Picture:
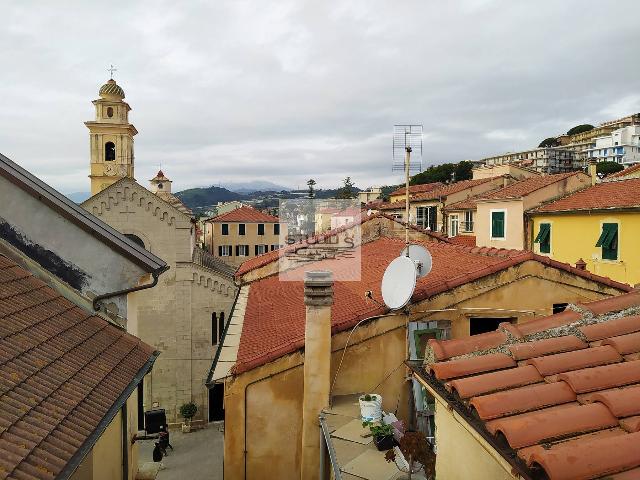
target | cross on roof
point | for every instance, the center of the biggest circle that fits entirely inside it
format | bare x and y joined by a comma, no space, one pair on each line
111,70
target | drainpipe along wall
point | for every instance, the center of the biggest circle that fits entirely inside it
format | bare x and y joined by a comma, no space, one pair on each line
318,297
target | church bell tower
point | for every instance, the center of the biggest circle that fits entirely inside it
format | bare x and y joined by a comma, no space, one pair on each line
110,138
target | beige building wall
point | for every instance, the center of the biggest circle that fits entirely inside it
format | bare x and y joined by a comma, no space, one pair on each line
516,230
215,239
272,393
175,316
105,460
507,169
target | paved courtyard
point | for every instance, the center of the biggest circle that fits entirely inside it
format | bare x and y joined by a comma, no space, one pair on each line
196,455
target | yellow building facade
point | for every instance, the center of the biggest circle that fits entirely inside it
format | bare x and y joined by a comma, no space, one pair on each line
111,138
574,235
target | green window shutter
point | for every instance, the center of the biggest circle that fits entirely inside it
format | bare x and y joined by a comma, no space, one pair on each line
497,224
544,238
609,241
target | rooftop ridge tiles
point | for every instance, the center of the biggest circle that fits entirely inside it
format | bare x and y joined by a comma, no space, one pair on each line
569,329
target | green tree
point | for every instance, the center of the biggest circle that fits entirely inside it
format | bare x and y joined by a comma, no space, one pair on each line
311,183
446,172
607,168
347,189
580,129
549,142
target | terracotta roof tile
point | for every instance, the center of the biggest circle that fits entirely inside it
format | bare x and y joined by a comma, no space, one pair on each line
451,189
590,458
424,187
552,423
526,186
625,344
61,371
599,378
606,195
523,351
472,365
495,381
565,362
627,171
612,328
444,349
623,402
466,240
520,400
631,424
245,214
588,387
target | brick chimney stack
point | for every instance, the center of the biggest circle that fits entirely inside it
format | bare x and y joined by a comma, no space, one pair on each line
318,298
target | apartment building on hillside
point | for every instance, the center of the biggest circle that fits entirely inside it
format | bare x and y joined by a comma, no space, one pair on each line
620,146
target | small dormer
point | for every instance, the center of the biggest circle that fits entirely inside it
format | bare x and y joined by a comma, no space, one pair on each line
160,183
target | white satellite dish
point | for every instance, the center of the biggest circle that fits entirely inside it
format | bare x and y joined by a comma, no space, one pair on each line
421,257
398,282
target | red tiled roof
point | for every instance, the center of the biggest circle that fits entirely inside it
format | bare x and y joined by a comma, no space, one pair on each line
527,186
562,391
627,171
275,312
424,187
606,195
245,214
62,371
467,240
450,189
269,257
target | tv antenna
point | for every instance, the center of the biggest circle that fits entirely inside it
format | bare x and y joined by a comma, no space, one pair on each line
407,157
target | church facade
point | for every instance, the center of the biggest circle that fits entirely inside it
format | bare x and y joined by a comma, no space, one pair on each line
184,315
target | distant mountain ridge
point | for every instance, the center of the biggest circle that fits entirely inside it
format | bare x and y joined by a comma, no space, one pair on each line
203,197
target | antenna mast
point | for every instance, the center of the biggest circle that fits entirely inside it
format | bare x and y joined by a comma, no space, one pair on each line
407,139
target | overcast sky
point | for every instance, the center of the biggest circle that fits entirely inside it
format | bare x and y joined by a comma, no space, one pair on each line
284,91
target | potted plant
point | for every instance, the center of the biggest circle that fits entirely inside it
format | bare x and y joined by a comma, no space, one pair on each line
370,407
382,435
188,411
415,455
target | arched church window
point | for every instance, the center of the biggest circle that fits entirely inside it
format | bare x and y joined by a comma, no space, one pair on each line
109,151
109,112
135,239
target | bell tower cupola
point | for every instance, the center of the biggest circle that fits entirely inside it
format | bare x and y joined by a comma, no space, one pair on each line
110,138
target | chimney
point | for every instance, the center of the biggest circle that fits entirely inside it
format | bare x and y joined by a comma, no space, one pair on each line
318,298
593,172
581,264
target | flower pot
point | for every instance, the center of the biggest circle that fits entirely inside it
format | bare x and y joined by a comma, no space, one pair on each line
371,410
186,428
384,443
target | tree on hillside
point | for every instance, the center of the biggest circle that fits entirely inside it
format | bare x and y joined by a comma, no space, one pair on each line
347,189
549,142
607,168
580,129
310,183
447,172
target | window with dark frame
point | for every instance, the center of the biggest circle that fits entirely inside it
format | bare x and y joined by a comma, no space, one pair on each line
608,241
478,325
276,229
261,229
497,225
224,228
241,229
221,327
109,151
214,328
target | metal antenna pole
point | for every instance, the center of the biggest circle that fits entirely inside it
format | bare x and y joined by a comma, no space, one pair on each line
407,162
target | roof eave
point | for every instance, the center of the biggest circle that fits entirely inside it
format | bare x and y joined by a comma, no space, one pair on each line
77,215
75,461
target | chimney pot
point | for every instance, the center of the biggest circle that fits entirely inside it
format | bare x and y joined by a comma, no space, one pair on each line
318,288
581,264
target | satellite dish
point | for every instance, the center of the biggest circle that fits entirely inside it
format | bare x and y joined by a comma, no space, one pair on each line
398,282
421,257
